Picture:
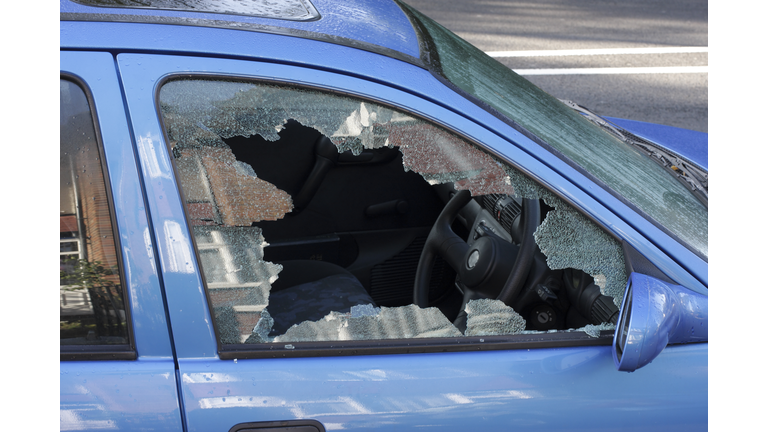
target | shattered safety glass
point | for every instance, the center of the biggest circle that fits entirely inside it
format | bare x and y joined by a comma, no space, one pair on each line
228,199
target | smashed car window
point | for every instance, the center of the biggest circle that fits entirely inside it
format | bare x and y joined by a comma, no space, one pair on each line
310,211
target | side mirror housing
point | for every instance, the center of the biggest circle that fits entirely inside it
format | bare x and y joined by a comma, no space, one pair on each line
654,314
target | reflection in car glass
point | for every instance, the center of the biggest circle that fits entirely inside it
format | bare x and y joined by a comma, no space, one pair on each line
91,295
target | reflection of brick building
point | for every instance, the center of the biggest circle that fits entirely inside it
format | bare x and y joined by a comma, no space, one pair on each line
223,198
222,202
443,157
92,228
84,219
218,192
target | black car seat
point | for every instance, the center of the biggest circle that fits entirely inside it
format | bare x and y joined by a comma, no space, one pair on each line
308,290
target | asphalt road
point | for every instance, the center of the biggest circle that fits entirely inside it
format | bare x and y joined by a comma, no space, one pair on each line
669,85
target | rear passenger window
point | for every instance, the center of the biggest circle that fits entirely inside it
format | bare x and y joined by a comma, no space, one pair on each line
92,303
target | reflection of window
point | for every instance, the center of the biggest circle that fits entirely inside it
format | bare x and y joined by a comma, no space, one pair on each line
92,308
69,253
74,298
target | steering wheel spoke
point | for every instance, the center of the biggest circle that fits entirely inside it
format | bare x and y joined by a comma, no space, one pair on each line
441,240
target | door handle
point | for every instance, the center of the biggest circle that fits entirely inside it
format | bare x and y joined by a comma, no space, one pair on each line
280,426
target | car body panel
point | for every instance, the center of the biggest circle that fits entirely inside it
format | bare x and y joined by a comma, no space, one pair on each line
537,389
690,144
368,22
120,394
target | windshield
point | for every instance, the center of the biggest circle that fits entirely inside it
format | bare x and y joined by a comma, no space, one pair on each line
637,178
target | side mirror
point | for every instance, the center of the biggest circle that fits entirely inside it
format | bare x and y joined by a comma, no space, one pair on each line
654,314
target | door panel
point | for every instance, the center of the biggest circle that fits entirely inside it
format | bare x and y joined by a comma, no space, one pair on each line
542,390
535,389
119,395
122,394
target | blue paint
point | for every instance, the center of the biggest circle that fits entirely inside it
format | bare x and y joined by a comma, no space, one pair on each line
660,314
119,395
542,389
690,144
379,23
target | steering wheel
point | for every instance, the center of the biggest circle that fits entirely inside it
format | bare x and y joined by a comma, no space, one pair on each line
482,265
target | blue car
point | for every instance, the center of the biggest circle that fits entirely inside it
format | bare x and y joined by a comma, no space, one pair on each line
315,215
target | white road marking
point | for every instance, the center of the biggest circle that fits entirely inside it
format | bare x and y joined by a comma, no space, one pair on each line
616,70
599,51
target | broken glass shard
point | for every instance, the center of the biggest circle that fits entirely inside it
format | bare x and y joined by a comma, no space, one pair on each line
368,323
487,317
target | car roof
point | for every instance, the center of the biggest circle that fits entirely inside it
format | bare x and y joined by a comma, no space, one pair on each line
374,25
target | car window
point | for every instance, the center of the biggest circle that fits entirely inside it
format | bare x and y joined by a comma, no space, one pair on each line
309,211
92,302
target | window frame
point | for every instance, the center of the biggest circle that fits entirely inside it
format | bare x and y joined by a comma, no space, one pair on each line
114,351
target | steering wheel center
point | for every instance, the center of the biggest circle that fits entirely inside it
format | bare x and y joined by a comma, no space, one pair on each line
490,266
474,257
487,264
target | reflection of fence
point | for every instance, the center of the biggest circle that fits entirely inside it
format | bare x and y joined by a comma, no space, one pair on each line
101,305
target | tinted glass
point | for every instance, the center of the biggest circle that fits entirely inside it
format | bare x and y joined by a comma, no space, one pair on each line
625,170
91,295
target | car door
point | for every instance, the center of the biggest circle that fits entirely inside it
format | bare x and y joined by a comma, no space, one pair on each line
117,366
563,380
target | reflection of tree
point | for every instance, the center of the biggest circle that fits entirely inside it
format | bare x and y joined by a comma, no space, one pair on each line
106,295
